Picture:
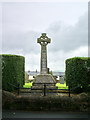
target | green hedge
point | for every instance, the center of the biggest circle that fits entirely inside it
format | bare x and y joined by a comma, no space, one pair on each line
12,71
77,72
35,102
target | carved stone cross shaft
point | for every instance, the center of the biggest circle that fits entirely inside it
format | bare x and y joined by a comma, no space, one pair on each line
43,41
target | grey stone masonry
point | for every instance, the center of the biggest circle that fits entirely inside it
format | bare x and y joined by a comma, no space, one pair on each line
43,41
44,78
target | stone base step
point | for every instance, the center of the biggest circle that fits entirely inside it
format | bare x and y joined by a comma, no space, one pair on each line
42,87
47,78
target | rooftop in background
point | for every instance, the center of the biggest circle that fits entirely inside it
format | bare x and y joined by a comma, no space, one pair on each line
33,73
58,73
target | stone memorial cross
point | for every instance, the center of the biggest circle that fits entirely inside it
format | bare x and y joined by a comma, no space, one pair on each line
43,41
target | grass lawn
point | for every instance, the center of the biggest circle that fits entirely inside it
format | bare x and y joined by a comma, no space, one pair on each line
27,85
60,86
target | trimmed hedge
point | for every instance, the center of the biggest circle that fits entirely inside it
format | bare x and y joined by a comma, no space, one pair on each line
12,71
51,102
77,72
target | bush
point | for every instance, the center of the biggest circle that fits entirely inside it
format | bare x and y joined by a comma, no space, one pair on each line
34,102
77,72
77,90
12,71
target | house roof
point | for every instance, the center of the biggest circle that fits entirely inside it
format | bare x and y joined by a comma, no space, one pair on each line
58,73
33,73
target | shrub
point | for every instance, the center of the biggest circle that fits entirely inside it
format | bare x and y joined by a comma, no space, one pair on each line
77,90
34,102
12,71
77,72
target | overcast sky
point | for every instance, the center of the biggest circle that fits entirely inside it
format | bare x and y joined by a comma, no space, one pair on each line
66,23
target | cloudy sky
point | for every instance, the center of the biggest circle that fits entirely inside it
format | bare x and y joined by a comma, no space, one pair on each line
66,23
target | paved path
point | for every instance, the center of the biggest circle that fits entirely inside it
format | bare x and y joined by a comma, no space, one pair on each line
37,114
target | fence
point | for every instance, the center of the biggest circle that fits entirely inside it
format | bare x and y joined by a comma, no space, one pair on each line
44,89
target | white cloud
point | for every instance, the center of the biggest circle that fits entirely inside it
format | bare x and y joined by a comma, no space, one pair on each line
63,37
26,41
85,1
57,58
22,27
68,38
32,61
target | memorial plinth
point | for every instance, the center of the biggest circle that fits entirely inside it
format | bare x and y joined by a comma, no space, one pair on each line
44,77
